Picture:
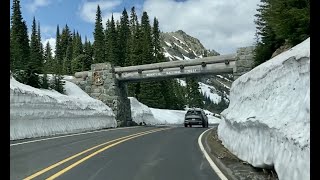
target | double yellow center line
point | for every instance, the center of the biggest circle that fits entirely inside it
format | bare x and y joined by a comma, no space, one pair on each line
110,144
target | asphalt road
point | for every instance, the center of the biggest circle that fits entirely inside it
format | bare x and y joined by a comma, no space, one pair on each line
161,154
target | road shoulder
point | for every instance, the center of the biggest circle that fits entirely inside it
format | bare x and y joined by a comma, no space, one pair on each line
231,166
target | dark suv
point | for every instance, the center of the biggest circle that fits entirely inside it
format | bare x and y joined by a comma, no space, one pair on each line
196,116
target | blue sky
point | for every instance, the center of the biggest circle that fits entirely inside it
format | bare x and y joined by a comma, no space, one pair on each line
220,25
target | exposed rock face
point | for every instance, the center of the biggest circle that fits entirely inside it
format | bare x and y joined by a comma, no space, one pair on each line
181,46
281,49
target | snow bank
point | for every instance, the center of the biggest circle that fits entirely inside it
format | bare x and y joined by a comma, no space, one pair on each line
153,116
268,120
165,116
36,112
141,113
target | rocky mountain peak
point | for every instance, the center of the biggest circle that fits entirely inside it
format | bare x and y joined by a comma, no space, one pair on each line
179,45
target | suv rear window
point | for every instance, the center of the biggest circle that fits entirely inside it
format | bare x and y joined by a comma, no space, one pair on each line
194,112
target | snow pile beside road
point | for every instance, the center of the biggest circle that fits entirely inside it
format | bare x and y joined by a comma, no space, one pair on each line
268,120
141,113
153,116
39,112
166,116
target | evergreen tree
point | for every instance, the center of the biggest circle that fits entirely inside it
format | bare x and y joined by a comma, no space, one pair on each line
134,50
171,100
78,63
280,22
40,43
68,59
44,81
34,66
111,34
135,40
99,42
157,49
64,41
77,46
147,49
124,37
35,52
66,50
19,41
48,59
150,92
194,97
58,53
88,52
56,82
180,94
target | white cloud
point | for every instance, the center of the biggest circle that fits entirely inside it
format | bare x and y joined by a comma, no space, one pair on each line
220,25
47,30
52,42
116,16
88,10
35,4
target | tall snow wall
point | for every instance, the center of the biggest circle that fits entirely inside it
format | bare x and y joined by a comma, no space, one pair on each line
36,112
267,122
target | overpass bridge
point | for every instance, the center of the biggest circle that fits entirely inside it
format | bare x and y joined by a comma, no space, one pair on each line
177,69
108,83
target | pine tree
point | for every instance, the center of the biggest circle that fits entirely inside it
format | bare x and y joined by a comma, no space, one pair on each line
34,66
180,94
134,50
19,41
136,40
44,81
124,37
66,49
171,100
56,82
150,92
147,50
48,59
87,49
278,23
35,51
77,46
58,53
99,42
157,49
40,43
194,97
111,34
64,41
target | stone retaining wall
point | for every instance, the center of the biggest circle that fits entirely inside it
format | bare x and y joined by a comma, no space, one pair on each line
244,61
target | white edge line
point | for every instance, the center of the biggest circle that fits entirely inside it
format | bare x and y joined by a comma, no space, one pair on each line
71,135
212,164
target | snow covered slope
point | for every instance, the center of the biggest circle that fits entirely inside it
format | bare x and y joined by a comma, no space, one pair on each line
36,112
207,90
268,120
179,45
